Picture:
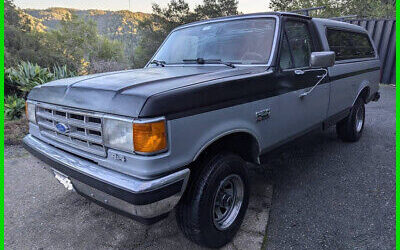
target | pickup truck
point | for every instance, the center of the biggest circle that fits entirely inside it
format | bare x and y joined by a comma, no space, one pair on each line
216,95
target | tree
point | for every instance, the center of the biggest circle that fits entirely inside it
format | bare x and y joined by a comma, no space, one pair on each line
370,8
11,14
22,41
332,6
76,43
78,40
15,17
361,8
217,8
109,50
154,30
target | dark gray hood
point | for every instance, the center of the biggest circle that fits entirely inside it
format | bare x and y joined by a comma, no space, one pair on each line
126,92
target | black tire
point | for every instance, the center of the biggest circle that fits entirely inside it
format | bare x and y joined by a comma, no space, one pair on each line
195,212
349,129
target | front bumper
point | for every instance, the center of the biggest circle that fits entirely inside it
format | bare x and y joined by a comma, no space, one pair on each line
144,200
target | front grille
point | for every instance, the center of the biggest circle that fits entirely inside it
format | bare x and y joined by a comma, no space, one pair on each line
84,128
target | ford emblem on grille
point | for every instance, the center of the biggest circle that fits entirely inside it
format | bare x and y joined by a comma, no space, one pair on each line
61,127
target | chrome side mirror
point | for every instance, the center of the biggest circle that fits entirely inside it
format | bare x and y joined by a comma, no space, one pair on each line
323,59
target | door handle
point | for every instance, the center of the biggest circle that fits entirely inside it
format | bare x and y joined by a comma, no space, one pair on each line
321,77
299,72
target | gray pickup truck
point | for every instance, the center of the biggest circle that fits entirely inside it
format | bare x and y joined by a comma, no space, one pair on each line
217,94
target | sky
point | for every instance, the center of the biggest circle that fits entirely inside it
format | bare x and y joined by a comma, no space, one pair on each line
245,6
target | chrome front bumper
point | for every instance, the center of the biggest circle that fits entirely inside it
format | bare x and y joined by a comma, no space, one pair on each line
144,200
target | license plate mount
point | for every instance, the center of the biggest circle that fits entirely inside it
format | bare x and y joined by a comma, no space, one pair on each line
63,179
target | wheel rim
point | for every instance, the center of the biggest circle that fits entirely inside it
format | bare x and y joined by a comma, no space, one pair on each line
359,120
228,201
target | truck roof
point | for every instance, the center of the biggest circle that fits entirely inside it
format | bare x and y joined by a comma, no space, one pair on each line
318,21
246,15
339,24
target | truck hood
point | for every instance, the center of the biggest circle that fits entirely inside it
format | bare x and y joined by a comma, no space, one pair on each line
125,92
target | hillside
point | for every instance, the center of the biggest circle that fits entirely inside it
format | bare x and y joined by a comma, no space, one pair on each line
110,23
117,25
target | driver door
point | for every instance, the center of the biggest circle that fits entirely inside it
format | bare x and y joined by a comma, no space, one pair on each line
300,114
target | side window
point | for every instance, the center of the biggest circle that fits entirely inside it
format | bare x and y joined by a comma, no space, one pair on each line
285,57
300,43
349,45
363,45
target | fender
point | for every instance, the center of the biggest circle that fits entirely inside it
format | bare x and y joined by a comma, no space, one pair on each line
229,132
363,85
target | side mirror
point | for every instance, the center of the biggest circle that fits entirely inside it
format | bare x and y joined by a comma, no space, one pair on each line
322,59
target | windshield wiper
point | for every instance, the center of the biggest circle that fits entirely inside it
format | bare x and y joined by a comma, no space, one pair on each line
158,63
209,61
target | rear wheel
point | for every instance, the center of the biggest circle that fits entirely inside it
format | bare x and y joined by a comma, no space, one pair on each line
350,129
214,205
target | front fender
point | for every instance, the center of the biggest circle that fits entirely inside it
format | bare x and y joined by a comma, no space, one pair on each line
230,132
191,135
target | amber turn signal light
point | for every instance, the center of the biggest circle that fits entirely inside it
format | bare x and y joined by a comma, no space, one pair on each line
26,110
149,137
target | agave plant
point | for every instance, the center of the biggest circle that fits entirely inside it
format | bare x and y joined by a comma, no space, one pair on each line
13,107
27,75
60,72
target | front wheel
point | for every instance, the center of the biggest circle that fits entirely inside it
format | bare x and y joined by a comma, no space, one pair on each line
350,129
213,208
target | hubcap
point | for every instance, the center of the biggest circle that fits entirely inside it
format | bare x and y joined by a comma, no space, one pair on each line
228,201
359,120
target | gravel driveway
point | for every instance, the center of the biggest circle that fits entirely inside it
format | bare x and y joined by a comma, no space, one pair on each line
327,195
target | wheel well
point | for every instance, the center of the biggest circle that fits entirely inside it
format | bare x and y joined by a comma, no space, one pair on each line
240,143
364,94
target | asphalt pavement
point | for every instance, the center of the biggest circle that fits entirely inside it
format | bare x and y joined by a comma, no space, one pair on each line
334,195
41,214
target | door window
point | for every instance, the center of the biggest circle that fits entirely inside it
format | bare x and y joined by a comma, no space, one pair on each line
297,42
286,58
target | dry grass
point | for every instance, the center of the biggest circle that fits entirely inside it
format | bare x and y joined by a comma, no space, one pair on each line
14,131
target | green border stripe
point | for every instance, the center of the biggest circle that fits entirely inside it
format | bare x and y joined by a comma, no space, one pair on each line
397,133
2,120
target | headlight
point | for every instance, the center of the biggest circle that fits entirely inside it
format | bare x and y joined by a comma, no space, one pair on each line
118,133
139,136
30,109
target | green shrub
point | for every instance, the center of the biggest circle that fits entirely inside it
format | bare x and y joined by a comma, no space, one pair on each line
14,107
10,88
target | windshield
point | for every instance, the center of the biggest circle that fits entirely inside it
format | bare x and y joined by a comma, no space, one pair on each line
245,41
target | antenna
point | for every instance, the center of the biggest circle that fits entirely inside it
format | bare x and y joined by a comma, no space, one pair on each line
306,11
